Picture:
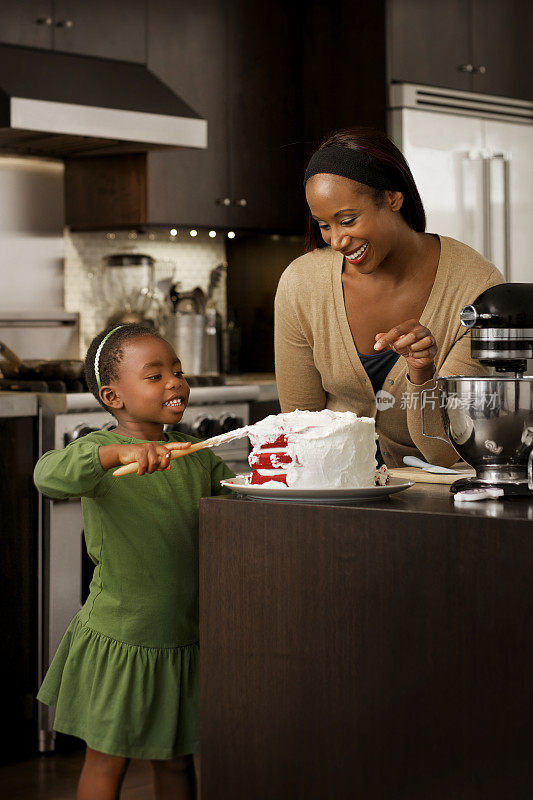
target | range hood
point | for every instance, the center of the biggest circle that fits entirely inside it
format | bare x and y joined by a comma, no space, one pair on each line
61,105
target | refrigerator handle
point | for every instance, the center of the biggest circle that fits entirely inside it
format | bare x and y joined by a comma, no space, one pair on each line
487,218
507,217
474,199
506,211
505,220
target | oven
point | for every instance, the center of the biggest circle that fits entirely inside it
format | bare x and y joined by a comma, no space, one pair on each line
67,569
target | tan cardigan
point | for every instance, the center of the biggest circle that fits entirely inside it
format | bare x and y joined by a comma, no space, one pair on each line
317,365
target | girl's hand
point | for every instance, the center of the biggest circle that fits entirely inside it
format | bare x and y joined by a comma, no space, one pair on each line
152,456
416,344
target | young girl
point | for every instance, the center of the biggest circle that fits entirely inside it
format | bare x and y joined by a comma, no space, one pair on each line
125,676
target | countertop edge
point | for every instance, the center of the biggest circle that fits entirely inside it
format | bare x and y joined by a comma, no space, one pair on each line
515,511
17,404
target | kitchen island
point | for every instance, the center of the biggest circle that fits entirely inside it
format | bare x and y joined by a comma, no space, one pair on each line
380,650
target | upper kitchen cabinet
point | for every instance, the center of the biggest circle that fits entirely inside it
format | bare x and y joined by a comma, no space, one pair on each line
100,28
29,23
238,65
188,50
429,43
344,67
474,45
96,28
265,125
501,44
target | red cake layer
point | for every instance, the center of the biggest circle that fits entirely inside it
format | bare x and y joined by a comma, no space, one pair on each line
281,441
269,460
257,478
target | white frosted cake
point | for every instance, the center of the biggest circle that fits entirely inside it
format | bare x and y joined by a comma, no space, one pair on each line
314,449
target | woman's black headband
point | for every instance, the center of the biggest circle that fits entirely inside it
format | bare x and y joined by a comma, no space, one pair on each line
357,165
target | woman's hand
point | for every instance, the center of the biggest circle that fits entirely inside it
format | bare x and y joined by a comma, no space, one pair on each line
416,344
151,456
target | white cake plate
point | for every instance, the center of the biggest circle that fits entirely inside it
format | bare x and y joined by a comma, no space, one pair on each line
260,492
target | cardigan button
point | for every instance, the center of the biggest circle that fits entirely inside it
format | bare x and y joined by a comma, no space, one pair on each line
391,381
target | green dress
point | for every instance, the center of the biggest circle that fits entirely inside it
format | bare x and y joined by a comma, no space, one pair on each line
125,675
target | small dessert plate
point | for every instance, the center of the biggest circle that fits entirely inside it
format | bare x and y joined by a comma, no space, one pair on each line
263,492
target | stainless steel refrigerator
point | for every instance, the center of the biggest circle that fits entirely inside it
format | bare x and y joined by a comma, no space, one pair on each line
471,156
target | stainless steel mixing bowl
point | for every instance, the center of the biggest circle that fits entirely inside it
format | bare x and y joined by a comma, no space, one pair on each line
489,421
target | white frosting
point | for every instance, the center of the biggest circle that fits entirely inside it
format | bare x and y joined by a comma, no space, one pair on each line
329,449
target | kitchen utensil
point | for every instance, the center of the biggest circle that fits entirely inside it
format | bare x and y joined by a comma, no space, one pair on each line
198,295
213,324
128,287
38,368
215,277
187,333
215,441
211,364
501,323
192,302
473,495
413,461
421,476
489,419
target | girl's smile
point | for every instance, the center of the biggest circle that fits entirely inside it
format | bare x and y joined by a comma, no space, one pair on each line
175,403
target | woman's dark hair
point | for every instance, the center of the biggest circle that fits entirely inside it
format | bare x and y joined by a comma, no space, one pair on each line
111,355
379,145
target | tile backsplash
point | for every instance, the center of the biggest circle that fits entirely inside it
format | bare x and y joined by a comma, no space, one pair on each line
187,261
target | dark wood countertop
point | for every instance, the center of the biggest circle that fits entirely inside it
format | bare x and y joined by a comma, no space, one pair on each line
422,498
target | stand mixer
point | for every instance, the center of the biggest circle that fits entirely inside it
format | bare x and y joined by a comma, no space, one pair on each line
489,420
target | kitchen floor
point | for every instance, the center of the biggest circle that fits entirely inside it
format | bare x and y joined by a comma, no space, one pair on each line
55,777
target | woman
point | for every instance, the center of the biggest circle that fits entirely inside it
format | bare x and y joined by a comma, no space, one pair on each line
366,319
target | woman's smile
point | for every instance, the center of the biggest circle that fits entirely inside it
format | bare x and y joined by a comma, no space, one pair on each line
358,256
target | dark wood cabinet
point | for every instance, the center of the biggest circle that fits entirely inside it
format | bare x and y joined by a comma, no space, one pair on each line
429,43
501,43
29,23
97,28
188,50
265,115
477,45
100,28
344,67
239,66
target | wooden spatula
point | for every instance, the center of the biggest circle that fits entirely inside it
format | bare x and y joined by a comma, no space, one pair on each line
238,433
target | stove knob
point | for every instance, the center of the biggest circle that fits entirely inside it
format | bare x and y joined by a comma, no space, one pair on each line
205,426
78,432
229,422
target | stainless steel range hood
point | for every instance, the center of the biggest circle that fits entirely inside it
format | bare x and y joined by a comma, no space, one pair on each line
61,105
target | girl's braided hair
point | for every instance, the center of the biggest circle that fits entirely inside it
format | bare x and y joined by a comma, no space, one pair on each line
111,355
